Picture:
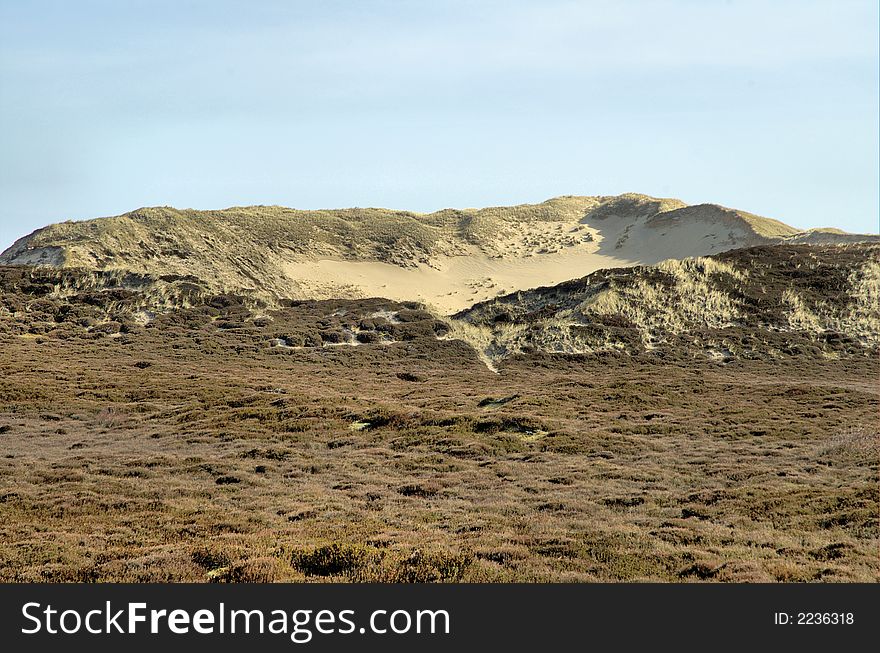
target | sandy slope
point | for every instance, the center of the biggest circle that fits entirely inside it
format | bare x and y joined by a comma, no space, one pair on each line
450,284
534,255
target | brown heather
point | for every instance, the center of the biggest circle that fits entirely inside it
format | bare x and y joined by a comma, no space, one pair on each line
153,431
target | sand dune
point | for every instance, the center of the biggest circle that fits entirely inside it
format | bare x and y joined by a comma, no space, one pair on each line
525,257
448,259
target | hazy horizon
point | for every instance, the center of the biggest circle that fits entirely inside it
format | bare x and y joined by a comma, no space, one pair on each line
109,106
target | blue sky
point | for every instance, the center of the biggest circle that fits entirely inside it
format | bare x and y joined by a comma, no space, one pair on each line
767,106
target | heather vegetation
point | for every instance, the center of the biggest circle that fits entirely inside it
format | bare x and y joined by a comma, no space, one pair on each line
155,430
757,303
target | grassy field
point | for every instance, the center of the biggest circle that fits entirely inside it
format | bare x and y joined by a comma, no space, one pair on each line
186,452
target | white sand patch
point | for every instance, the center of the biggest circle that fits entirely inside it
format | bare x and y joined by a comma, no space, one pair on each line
390,316
451,284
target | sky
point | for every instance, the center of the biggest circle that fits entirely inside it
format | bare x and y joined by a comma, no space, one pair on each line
110,105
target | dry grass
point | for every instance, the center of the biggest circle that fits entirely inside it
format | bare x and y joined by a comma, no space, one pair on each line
151,457
801,318
864,316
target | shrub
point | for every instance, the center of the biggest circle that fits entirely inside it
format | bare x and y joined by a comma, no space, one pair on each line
423,490
210,558
332,559
431,567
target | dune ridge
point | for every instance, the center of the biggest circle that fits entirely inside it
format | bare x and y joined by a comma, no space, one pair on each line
448,260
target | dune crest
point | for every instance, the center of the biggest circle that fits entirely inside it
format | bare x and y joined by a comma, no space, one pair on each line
448,260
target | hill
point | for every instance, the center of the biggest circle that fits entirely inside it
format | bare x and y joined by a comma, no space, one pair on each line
764,302
448,260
